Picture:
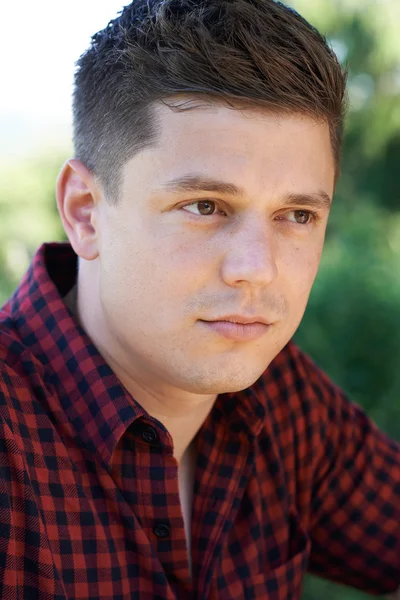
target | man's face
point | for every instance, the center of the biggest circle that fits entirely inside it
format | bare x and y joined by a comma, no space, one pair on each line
173,260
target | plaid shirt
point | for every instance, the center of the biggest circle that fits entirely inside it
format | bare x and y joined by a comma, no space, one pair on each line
290,475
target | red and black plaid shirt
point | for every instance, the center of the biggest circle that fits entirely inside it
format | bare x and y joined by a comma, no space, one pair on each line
290,476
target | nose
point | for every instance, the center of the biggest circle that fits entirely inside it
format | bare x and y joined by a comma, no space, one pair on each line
251,256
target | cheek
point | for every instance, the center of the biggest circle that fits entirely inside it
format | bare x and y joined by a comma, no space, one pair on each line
145,274
188,260
299,269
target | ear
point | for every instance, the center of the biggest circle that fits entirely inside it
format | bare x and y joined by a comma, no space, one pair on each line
78,195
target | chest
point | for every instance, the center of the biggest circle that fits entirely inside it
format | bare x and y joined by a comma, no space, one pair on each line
148,521
186,477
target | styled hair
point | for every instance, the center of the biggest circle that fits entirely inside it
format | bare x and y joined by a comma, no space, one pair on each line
185,53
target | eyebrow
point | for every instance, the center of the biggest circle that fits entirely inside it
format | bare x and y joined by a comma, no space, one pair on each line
200,183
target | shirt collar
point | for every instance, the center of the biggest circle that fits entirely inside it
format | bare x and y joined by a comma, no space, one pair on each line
99,408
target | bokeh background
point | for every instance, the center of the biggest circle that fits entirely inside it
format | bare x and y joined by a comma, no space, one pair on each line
352,325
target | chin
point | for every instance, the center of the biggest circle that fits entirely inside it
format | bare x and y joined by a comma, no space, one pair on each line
216,383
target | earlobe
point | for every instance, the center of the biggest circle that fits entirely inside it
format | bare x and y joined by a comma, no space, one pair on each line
78,195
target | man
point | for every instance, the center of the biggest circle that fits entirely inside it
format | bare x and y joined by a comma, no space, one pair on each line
161,436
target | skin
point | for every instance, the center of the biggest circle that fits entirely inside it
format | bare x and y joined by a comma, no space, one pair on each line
152,266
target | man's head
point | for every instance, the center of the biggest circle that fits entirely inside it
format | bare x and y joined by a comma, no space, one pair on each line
240,52
170,99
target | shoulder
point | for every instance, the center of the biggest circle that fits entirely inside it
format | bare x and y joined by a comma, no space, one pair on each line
295,376
297,390
302,394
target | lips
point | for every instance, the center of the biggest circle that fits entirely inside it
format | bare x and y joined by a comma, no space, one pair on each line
242,319
242,329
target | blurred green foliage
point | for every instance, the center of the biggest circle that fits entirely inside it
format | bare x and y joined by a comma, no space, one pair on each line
352,324
28,213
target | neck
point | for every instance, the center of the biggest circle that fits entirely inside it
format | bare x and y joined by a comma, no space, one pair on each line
182,413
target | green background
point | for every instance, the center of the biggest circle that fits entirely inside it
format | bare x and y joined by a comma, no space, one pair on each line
352,324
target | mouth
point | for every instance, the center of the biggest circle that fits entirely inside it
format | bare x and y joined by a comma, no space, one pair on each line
238,328
242,319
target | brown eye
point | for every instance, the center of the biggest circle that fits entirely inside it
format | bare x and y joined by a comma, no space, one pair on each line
302,217
201,207
205,207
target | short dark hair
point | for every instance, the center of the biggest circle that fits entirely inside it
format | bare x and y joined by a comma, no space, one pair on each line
244,53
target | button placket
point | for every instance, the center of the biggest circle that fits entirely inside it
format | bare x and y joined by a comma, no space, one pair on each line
158,496
150,435
161,530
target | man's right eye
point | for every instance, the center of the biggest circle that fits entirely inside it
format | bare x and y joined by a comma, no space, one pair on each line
201,207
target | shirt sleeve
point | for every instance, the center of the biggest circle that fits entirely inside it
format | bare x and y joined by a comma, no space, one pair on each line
8,571
26,561
355,506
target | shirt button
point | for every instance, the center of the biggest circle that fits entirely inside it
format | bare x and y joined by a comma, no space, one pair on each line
161,530
150,435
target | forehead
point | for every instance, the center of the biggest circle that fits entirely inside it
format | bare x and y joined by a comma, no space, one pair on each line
251,148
